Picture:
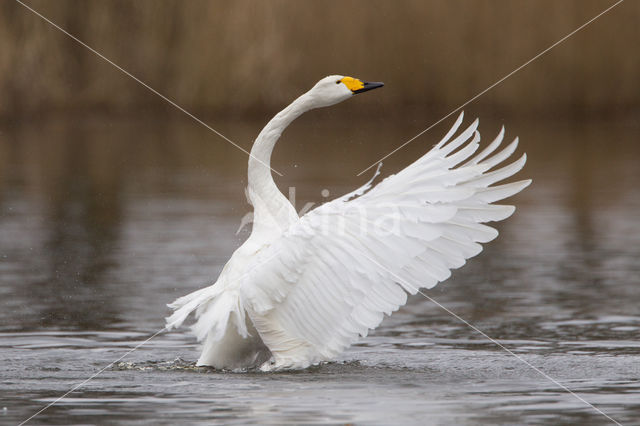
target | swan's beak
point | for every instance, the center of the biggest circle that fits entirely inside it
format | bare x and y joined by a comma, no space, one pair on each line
368,86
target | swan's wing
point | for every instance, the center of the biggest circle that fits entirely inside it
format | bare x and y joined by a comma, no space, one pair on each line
333,275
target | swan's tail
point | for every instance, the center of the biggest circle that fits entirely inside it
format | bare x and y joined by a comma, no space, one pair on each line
213,307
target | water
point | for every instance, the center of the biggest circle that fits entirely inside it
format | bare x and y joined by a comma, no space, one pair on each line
104,221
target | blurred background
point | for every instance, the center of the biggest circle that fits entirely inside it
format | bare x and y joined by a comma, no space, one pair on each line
113,203
87,155
240,57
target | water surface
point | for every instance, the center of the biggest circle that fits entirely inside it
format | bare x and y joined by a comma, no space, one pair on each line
104,221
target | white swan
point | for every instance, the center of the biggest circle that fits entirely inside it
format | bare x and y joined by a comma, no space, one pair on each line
302,289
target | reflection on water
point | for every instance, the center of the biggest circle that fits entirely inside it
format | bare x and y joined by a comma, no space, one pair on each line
103,222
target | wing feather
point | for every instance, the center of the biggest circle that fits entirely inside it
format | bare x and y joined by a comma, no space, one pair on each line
489,149
334,274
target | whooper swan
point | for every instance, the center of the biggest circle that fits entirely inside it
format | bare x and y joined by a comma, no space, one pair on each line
300,290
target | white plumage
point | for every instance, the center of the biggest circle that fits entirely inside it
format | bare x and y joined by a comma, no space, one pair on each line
301,290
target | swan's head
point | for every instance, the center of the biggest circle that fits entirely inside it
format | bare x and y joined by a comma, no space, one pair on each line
337,88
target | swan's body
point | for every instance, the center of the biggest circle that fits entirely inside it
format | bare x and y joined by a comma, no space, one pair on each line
301,290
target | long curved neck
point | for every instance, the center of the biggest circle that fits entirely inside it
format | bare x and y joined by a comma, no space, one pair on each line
271,207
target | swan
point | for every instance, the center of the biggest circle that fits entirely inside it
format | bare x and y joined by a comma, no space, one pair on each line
300,290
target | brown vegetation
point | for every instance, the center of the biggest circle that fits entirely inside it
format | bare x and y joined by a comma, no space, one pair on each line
253,55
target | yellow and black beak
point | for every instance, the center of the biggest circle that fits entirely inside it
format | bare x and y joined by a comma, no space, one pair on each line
368,85
356,86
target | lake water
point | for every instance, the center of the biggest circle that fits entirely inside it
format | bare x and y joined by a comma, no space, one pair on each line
105,220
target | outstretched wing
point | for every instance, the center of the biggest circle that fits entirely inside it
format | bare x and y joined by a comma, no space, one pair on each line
334,274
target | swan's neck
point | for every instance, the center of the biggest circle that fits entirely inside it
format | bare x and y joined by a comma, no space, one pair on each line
271,208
